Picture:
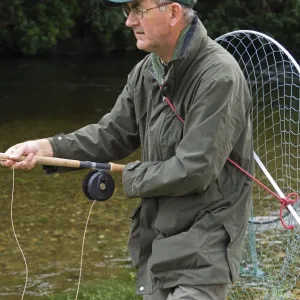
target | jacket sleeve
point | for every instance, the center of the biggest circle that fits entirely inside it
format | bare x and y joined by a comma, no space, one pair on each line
113,138
213,124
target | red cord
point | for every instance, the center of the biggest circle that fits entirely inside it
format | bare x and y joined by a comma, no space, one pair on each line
284,201
173,108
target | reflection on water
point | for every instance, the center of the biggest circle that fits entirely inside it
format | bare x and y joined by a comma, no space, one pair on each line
40,98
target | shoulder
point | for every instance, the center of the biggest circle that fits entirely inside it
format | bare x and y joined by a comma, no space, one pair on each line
220,69
216,62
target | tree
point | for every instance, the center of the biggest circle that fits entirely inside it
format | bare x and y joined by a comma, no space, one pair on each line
30,26
277,18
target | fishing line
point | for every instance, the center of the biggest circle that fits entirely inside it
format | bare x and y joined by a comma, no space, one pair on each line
24,258
82,249
102,180
14,232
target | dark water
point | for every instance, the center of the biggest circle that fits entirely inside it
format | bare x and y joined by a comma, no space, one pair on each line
39,98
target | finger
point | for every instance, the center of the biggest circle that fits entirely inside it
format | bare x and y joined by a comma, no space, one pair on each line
7,163
27,164
16,151
31,161
11,153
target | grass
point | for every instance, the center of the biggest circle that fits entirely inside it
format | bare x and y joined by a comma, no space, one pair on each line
111,289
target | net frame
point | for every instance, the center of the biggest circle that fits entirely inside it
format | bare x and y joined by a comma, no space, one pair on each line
270,267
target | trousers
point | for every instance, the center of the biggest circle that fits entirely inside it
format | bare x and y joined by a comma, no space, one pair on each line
187,292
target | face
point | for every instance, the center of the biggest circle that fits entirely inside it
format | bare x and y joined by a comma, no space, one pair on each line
152,30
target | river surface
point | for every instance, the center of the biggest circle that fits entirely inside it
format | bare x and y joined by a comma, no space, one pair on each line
39,98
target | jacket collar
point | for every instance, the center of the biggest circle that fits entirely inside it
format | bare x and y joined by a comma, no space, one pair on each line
192,44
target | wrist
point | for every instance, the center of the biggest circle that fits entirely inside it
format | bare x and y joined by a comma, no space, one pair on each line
44,148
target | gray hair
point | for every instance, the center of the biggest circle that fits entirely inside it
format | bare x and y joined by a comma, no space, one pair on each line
187,12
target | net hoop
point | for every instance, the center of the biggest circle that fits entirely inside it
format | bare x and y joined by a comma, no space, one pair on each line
259,34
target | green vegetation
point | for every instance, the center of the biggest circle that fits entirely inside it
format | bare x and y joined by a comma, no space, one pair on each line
30,26
57,26
121,289
279,19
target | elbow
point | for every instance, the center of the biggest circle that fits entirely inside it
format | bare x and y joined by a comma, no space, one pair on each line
200,178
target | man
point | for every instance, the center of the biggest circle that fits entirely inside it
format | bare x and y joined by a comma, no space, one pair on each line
187,234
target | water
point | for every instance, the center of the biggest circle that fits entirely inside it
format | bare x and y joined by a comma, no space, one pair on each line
39,98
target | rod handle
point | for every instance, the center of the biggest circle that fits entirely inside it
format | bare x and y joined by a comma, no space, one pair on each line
48,161
116,167
69,163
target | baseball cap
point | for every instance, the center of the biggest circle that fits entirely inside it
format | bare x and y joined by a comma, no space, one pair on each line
114,3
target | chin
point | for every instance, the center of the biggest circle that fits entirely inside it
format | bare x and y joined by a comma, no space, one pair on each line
142,46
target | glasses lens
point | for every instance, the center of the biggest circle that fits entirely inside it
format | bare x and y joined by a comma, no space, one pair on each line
136,13
126,11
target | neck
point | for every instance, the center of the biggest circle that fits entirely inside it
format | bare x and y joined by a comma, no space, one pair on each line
166,52
168,55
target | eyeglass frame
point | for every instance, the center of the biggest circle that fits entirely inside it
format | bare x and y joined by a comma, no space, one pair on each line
142,11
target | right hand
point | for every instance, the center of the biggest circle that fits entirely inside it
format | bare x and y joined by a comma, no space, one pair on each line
29,149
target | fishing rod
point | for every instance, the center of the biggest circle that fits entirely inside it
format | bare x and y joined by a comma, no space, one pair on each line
97,185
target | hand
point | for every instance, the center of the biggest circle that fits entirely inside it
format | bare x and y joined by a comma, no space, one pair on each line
30,149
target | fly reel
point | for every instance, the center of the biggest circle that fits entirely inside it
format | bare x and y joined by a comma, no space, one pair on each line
98,185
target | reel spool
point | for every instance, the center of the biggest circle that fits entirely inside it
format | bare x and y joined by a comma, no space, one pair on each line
98,185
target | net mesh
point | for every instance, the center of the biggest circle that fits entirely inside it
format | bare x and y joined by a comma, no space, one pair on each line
270,267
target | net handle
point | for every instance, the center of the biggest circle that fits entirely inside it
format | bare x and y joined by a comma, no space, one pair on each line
276,187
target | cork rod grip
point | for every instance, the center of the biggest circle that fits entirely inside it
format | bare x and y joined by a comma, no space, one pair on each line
49,161
116,167
69,163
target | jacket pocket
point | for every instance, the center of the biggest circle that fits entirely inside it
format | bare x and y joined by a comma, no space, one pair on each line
134,236
187,250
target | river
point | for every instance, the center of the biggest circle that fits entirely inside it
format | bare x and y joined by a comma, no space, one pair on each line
39,98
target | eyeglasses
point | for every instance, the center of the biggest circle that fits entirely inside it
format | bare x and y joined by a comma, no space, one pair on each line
139,13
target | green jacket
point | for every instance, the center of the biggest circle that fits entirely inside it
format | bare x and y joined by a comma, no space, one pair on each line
195,205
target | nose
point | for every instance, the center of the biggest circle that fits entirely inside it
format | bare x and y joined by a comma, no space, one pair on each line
131,21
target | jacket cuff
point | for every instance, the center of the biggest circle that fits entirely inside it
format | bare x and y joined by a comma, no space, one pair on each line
132,178
58,143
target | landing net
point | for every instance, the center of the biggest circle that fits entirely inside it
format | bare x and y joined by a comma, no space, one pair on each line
271,259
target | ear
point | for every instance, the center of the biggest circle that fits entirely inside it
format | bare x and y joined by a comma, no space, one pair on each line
176,14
